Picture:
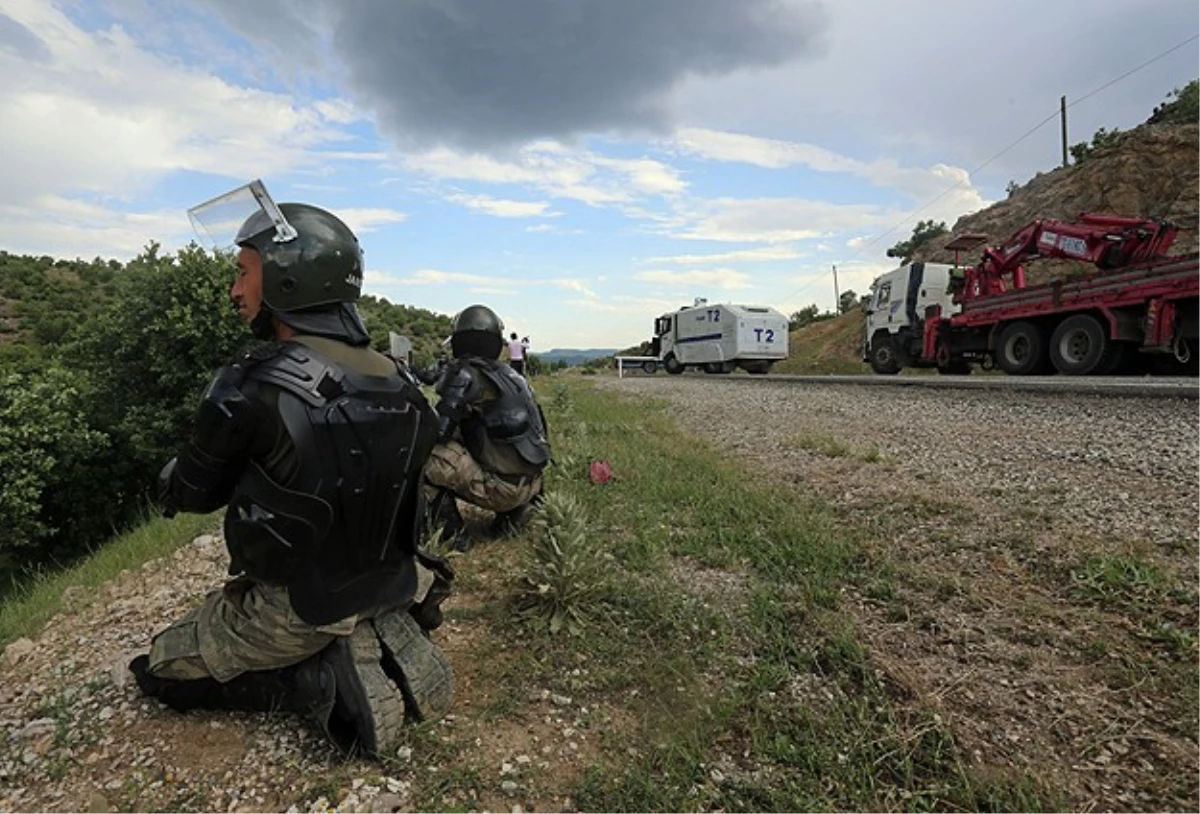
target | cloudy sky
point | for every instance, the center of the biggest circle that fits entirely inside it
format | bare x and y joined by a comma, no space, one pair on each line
579,165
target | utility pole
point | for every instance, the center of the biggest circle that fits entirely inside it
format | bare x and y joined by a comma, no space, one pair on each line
1062,109
837,299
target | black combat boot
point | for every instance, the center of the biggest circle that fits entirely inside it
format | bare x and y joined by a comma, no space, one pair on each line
368,714
306,688
416,665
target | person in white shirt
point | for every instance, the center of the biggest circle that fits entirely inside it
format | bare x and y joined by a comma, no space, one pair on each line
516,353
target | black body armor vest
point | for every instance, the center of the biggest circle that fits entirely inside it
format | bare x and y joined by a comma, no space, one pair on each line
342,535
514,418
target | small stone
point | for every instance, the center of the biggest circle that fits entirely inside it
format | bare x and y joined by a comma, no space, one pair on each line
17,650
509,787
506,768
203,541
560,700
97,802
387,803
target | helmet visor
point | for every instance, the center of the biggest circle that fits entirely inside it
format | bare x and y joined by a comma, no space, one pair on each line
238,215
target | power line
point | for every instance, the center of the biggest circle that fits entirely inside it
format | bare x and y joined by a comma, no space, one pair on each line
858,253
1132,71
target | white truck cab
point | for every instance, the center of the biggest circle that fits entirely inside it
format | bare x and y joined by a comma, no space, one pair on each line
896,313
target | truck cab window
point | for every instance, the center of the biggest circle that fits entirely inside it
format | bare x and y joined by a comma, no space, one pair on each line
884,295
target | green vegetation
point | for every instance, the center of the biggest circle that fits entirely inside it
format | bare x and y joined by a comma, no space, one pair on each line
39,594
924,232
721,638
1181,107
101,367
1101,140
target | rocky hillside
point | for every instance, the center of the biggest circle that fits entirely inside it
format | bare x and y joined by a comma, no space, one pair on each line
1153,171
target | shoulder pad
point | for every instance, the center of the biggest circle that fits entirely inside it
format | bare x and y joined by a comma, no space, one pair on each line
457,378
299,370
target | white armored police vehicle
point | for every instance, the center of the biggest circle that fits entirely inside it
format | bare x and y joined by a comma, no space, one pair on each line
719,338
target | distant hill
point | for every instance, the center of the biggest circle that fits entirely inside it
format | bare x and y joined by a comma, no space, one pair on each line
573,356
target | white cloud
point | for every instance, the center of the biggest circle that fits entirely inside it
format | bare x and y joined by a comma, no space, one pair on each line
635,307
493,291
365,219
772,220
437,277
763,254
502,207
572,285
946,189
93,115
722,278
76,228
557,171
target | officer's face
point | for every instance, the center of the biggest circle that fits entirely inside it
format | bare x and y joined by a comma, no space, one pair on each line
246,291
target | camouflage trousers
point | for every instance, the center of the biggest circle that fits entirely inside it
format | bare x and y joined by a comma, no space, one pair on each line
247,625
452,468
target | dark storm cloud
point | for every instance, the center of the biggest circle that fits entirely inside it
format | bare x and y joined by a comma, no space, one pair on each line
483,73
19,40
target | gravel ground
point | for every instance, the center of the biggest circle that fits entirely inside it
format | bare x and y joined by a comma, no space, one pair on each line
985,505
77,735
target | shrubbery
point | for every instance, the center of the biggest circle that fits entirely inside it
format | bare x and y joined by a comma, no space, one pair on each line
101,371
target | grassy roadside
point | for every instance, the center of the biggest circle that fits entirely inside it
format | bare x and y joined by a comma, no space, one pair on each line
716,638
31,604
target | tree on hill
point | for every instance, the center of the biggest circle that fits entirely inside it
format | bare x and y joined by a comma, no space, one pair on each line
923,232
807,316
1182,106
1101,139
848,301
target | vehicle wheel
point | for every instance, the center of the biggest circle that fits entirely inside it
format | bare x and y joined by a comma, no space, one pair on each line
712,367
883,357
726,368
947,365
1021,350
673,366
1078,345
759,368
649,367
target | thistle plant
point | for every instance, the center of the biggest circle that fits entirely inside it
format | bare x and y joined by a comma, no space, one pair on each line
564,572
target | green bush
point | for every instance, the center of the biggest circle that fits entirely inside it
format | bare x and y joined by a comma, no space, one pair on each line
1182,106
151,351
52,493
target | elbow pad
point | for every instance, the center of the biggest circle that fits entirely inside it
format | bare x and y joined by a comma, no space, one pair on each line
209,465
457,389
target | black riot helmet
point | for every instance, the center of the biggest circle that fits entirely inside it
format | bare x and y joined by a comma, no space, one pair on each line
477,331
321,266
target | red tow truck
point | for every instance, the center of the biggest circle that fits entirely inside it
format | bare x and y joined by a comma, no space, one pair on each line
1136,300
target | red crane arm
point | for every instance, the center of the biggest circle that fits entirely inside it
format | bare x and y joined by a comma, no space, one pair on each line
1106,241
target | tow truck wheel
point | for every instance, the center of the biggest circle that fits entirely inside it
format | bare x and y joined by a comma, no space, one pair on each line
673,366
1021,349
1079,346
883,357
649,367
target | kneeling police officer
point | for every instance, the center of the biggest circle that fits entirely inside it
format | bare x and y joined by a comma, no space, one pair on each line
315,443
492,438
